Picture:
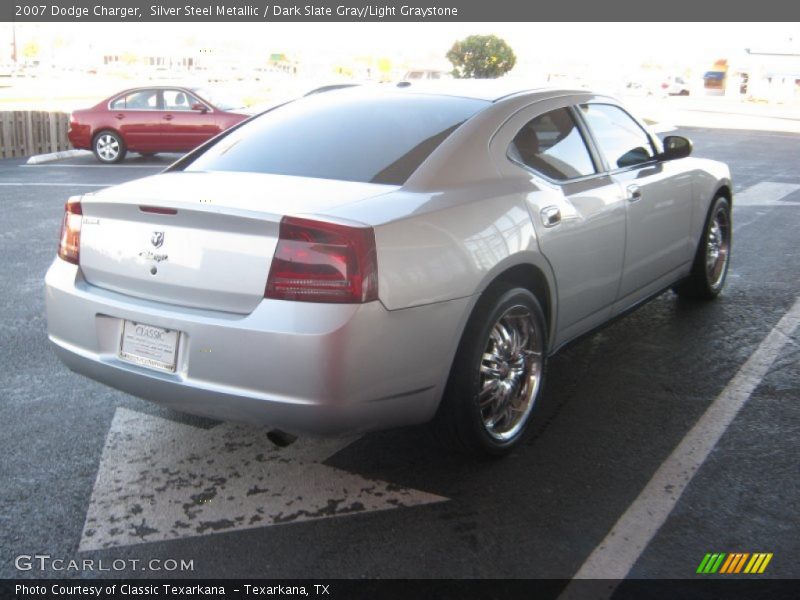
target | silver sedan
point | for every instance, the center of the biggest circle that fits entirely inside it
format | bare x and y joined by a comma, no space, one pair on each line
373,257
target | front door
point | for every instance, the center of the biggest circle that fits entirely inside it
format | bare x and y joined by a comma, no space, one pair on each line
186,125
657,197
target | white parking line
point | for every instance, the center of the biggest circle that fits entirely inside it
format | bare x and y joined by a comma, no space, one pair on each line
767,193
615,556
51,184
160,480
764,194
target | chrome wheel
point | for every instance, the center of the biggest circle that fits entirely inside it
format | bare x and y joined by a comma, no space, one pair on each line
718,247
711,261
510,373
107,147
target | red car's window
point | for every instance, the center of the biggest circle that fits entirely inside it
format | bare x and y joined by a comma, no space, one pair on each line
140,100
179,100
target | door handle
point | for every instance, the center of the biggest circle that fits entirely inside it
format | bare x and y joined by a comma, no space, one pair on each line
120,116
634,193
168,117
551,216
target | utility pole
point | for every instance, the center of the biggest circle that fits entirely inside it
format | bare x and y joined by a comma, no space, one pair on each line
13,43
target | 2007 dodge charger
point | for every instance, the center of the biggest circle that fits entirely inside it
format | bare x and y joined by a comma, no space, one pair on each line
373,257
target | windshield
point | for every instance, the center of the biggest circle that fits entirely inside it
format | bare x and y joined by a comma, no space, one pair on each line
348,136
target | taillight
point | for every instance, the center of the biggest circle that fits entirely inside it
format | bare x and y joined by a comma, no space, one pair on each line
70,244
317,261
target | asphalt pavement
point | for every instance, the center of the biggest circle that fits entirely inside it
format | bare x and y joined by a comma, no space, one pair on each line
618,404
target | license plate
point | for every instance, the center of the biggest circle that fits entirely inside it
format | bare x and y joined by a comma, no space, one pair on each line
148,346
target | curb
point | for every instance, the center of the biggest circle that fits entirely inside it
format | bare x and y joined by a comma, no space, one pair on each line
43,158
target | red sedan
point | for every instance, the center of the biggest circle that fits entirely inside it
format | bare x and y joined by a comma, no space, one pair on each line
150,120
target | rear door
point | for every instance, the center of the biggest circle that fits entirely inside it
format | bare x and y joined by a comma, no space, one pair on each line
658,198
137,117
577,210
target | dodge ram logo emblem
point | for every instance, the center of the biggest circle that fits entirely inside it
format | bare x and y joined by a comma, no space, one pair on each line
157,239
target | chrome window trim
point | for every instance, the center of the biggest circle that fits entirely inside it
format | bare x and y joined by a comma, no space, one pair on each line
550,180
160,90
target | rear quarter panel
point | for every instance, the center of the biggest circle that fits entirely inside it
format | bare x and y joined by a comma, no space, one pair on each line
80,129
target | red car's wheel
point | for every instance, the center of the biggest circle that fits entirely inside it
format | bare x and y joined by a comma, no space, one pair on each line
108,147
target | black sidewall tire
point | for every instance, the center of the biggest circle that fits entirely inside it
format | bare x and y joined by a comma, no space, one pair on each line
460,404
697,285
721,201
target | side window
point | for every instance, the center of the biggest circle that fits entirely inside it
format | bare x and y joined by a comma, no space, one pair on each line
553,145
141,100
621,140
178,100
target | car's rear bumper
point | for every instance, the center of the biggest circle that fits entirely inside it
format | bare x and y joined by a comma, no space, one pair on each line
293,365
80,136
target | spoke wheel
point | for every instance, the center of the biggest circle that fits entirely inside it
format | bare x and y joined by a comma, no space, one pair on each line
497,374
109,147
711,262
718,247
510,369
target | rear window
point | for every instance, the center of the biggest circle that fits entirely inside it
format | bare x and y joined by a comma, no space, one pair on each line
142,100
339,135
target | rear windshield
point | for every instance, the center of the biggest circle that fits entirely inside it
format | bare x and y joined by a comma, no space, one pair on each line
342,135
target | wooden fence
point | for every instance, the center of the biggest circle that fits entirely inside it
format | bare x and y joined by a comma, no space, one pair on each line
29,132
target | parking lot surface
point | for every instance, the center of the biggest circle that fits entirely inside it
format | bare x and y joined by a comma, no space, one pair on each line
91,473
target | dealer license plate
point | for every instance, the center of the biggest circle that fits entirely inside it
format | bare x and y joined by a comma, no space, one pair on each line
148,346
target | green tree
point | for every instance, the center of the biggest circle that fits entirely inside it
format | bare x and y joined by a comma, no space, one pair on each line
481,56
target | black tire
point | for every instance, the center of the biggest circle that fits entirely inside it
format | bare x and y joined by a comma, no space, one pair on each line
706,281
515,380
109,147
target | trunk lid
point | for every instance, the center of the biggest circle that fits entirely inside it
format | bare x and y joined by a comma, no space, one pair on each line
202,240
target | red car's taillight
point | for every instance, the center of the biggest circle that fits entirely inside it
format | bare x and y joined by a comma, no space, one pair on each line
70,244
317,261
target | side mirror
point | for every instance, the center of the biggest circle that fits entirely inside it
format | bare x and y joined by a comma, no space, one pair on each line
676,146
200,106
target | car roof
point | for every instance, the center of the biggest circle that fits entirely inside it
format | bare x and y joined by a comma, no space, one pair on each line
491,90
158,86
